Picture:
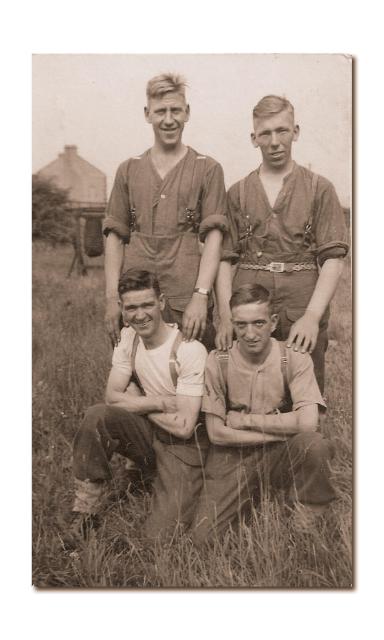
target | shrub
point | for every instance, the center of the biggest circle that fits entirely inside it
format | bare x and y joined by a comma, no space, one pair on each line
51,220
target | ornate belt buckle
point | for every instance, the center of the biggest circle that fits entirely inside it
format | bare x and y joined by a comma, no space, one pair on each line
276,267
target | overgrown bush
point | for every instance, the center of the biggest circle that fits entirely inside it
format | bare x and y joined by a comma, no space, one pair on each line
51,220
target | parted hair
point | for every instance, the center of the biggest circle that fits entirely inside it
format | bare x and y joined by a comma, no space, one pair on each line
136,280
249,293
271,105
165,83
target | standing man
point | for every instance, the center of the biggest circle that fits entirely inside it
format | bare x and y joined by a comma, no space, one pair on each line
162,204
153,401
287,232
262,411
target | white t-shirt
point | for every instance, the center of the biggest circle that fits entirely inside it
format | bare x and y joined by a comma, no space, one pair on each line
152,365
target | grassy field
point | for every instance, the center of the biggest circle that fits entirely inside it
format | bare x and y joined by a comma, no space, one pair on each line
71,357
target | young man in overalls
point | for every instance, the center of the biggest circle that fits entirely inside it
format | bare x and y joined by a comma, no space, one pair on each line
151,415
262,406
163,205
287,232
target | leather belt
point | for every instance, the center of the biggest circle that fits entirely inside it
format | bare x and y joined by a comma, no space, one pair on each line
280,267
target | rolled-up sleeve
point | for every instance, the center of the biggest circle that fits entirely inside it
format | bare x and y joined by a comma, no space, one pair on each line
190,381
213,205
214,395
302,381
117,213
331,234
121,357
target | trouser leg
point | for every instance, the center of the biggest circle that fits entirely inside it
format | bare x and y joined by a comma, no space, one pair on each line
176,488
229,484
301,467
232,476
105,430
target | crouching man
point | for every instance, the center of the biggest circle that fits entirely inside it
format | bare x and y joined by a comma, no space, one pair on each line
153,400
262,411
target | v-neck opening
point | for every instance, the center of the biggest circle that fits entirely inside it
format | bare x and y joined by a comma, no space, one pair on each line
167,175
274,207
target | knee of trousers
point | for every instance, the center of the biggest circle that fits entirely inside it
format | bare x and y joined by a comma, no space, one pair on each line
94,414
314,446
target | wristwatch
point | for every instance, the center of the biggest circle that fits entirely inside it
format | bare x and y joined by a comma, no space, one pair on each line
203,292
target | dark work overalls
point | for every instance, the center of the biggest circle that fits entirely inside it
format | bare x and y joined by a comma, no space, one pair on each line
278,251
163,234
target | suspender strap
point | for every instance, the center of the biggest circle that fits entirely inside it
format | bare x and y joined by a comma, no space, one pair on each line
308,226
242,195
173,358
172,361
130,180
222,358
135,377
245,215
284,372
196,168
196,183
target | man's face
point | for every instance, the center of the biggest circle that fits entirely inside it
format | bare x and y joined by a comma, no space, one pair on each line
167,115
253,324
274,136
142,311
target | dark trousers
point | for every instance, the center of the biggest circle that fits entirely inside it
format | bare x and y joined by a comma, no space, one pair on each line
179,477
298,466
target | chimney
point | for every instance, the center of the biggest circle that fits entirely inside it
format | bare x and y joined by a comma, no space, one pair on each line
70,151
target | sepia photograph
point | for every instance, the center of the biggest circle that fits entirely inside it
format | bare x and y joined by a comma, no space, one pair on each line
192,321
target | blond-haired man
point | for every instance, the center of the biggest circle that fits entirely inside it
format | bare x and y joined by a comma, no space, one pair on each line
164,204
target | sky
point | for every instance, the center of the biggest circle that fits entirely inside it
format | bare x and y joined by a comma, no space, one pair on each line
96,101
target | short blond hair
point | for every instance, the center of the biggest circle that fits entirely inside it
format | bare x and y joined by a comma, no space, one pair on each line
166,83
271,105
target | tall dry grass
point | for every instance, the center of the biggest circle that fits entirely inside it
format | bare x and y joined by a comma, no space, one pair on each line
71,357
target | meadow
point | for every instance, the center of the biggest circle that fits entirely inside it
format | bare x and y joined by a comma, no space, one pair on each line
71,359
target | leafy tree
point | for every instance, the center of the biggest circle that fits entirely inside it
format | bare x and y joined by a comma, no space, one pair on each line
51,220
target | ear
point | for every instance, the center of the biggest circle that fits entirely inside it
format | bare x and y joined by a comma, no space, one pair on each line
275,320
296,132
146,114
187,112
162,301
253,140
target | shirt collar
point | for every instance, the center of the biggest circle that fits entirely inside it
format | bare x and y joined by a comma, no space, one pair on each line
240,360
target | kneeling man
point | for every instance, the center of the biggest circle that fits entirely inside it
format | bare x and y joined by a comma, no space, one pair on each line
262,411
153,401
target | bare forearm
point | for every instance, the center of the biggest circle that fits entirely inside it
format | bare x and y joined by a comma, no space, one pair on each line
113,263
134,404
325,287
222,435
210,259
174,423
223,287
279,423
